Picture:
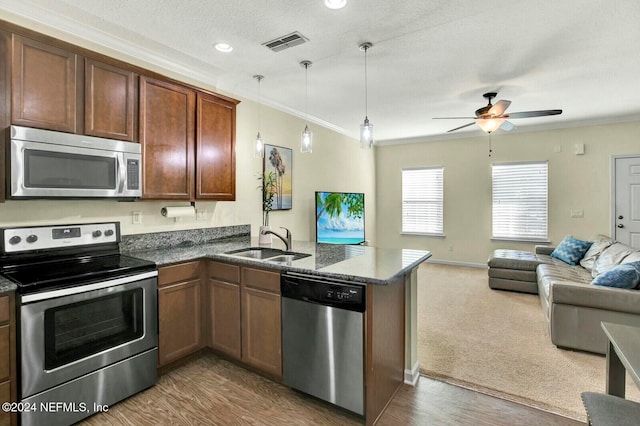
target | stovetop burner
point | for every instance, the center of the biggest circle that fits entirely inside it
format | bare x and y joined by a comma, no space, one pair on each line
62,273
51,257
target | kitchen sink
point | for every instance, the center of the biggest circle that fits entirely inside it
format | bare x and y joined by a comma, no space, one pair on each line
287,258
268,254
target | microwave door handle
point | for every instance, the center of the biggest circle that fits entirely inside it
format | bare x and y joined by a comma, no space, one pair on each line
121,172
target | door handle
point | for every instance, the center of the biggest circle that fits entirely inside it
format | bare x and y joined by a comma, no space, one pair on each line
620,217
620,225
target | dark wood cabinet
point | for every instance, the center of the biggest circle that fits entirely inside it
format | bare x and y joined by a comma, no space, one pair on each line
7,357
5,102
179,311
261,320
167,116
224,308
216,150
56,89
44,83
111,99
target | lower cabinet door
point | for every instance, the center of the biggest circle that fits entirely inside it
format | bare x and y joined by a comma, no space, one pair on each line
179,314
224,306
261,330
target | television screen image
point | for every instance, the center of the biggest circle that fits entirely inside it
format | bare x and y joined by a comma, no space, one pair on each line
339,217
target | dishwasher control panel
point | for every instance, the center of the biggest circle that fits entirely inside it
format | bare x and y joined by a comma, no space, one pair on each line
335,293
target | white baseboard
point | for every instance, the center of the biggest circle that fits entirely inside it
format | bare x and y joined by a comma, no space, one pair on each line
411,376
457,263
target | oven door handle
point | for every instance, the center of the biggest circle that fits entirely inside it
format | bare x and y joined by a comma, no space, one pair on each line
84,288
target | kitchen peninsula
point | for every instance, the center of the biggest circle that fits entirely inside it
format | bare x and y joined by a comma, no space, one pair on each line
209,298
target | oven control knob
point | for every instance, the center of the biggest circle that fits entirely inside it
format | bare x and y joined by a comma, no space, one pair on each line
14,240
97,233
108,232
32,238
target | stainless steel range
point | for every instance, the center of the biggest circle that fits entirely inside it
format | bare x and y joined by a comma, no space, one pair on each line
87,320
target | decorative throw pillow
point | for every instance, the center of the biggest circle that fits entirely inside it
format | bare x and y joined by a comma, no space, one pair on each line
600,242
570,250
610,257
626,275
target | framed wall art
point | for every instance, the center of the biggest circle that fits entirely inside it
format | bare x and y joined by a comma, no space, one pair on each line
279,161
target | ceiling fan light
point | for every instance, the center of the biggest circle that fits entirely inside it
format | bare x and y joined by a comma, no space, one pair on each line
490,125
335,4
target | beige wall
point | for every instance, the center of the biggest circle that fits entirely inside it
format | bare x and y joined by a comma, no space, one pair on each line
575,182
336,164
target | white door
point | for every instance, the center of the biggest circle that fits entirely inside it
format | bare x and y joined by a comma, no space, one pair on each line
626,219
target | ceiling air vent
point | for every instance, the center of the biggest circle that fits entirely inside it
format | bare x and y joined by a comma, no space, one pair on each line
286,42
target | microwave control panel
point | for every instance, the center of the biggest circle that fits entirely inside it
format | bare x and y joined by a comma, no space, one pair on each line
133,174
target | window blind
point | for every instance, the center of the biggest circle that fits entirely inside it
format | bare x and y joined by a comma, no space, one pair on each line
520,194
422,200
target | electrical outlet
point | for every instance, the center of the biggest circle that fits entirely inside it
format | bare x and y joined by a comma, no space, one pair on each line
201,214
557,148
136,218
577,214
450,248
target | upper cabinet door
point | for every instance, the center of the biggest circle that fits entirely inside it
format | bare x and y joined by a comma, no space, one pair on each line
167,115
44,86
111,98
216,151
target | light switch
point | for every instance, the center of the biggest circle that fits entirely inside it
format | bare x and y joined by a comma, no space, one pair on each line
577,214
557,148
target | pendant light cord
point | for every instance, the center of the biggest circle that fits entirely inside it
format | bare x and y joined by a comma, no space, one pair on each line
306,93
366,98
259,106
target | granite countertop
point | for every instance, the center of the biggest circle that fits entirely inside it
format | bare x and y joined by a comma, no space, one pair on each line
6,285
362,264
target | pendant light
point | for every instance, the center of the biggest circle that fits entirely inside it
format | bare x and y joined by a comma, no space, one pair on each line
259,145
306,139
366,128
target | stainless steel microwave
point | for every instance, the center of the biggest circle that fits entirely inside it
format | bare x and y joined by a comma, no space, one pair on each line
47,164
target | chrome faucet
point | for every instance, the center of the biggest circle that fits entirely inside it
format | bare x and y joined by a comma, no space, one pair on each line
286,239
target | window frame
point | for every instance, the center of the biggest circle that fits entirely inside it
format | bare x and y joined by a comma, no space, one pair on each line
522,238
441,204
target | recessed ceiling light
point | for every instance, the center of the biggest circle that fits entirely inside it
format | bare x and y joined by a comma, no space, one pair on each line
223,47
335,4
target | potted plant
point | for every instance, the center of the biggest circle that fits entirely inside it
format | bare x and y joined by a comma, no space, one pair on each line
268,186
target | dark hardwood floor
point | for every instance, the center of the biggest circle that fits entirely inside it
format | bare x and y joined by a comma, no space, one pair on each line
212,391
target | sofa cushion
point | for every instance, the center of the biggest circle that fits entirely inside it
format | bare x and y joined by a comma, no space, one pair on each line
548,275
571,250
516,259
610,257
626,275
633,257
600,243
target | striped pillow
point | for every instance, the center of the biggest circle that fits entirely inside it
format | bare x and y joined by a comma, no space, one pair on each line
570,250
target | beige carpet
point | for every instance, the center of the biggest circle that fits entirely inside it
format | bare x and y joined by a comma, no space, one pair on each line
496,342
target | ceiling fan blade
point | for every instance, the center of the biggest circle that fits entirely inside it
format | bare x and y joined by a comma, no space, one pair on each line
453,118
507,126
528,114
499,108
461,127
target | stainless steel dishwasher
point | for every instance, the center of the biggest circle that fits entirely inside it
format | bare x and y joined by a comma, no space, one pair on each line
322,338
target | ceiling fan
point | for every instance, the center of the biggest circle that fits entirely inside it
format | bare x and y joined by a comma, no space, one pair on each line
492,117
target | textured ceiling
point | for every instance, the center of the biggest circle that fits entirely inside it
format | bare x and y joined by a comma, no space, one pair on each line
429,58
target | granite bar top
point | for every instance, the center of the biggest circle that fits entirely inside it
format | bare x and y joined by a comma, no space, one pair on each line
364,264
6,285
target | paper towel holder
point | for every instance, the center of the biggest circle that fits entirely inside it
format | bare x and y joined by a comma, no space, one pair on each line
177,212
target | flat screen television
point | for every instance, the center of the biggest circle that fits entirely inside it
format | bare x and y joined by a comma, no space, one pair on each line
339,217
